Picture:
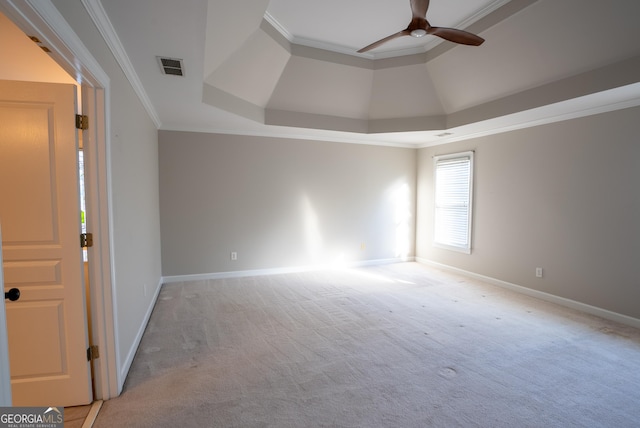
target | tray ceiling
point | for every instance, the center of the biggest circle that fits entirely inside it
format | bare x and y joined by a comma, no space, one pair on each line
288,67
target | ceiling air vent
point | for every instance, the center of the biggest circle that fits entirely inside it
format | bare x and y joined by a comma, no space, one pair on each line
172,66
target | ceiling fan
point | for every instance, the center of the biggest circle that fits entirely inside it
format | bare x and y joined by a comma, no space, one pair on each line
419,27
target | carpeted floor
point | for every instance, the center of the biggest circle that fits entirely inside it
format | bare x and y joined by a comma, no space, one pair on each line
399,345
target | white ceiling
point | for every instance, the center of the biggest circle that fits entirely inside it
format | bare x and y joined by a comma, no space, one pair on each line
346,26
289,67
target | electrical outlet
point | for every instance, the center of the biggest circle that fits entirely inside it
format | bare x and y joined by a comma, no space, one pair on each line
234,255
538,272
363,246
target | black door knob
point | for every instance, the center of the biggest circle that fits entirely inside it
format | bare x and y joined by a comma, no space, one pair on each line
13,294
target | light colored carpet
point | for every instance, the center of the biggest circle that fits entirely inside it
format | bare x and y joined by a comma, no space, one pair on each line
399,345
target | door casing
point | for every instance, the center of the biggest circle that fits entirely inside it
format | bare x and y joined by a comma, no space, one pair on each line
5,387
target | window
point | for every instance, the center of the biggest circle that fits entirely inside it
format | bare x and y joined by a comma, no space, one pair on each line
454,180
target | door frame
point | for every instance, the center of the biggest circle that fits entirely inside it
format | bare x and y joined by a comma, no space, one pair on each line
42,19
5,387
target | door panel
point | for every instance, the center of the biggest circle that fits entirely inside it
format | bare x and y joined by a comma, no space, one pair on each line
26,355
40,214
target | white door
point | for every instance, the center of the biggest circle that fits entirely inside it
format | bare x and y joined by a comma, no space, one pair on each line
40,215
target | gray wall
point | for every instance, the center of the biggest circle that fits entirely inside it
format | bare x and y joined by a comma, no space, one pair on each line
280,203
135,200
564,197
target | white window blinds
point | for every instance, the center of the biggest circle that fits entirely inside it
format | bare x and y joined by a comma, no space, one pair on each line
453,178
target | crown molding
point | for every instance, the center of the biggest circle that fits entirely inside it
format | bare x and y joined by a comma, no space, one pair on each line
101,20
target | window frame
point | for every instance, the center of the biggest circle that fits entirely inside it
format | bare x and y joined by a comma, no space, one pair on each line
466,248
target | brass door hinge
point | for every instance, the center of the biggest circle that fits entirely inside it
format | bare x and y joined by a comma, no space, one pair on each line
86,240
93,352
82,121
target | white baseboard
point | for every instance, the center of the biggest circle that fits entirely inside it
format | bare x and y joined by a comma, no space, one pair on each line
593,310
124,369
275,271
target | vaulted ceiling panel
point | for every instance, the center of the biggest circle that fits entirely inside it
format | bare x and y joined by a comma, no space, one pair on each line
229,25
252,72
323,88
403,92
547,41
